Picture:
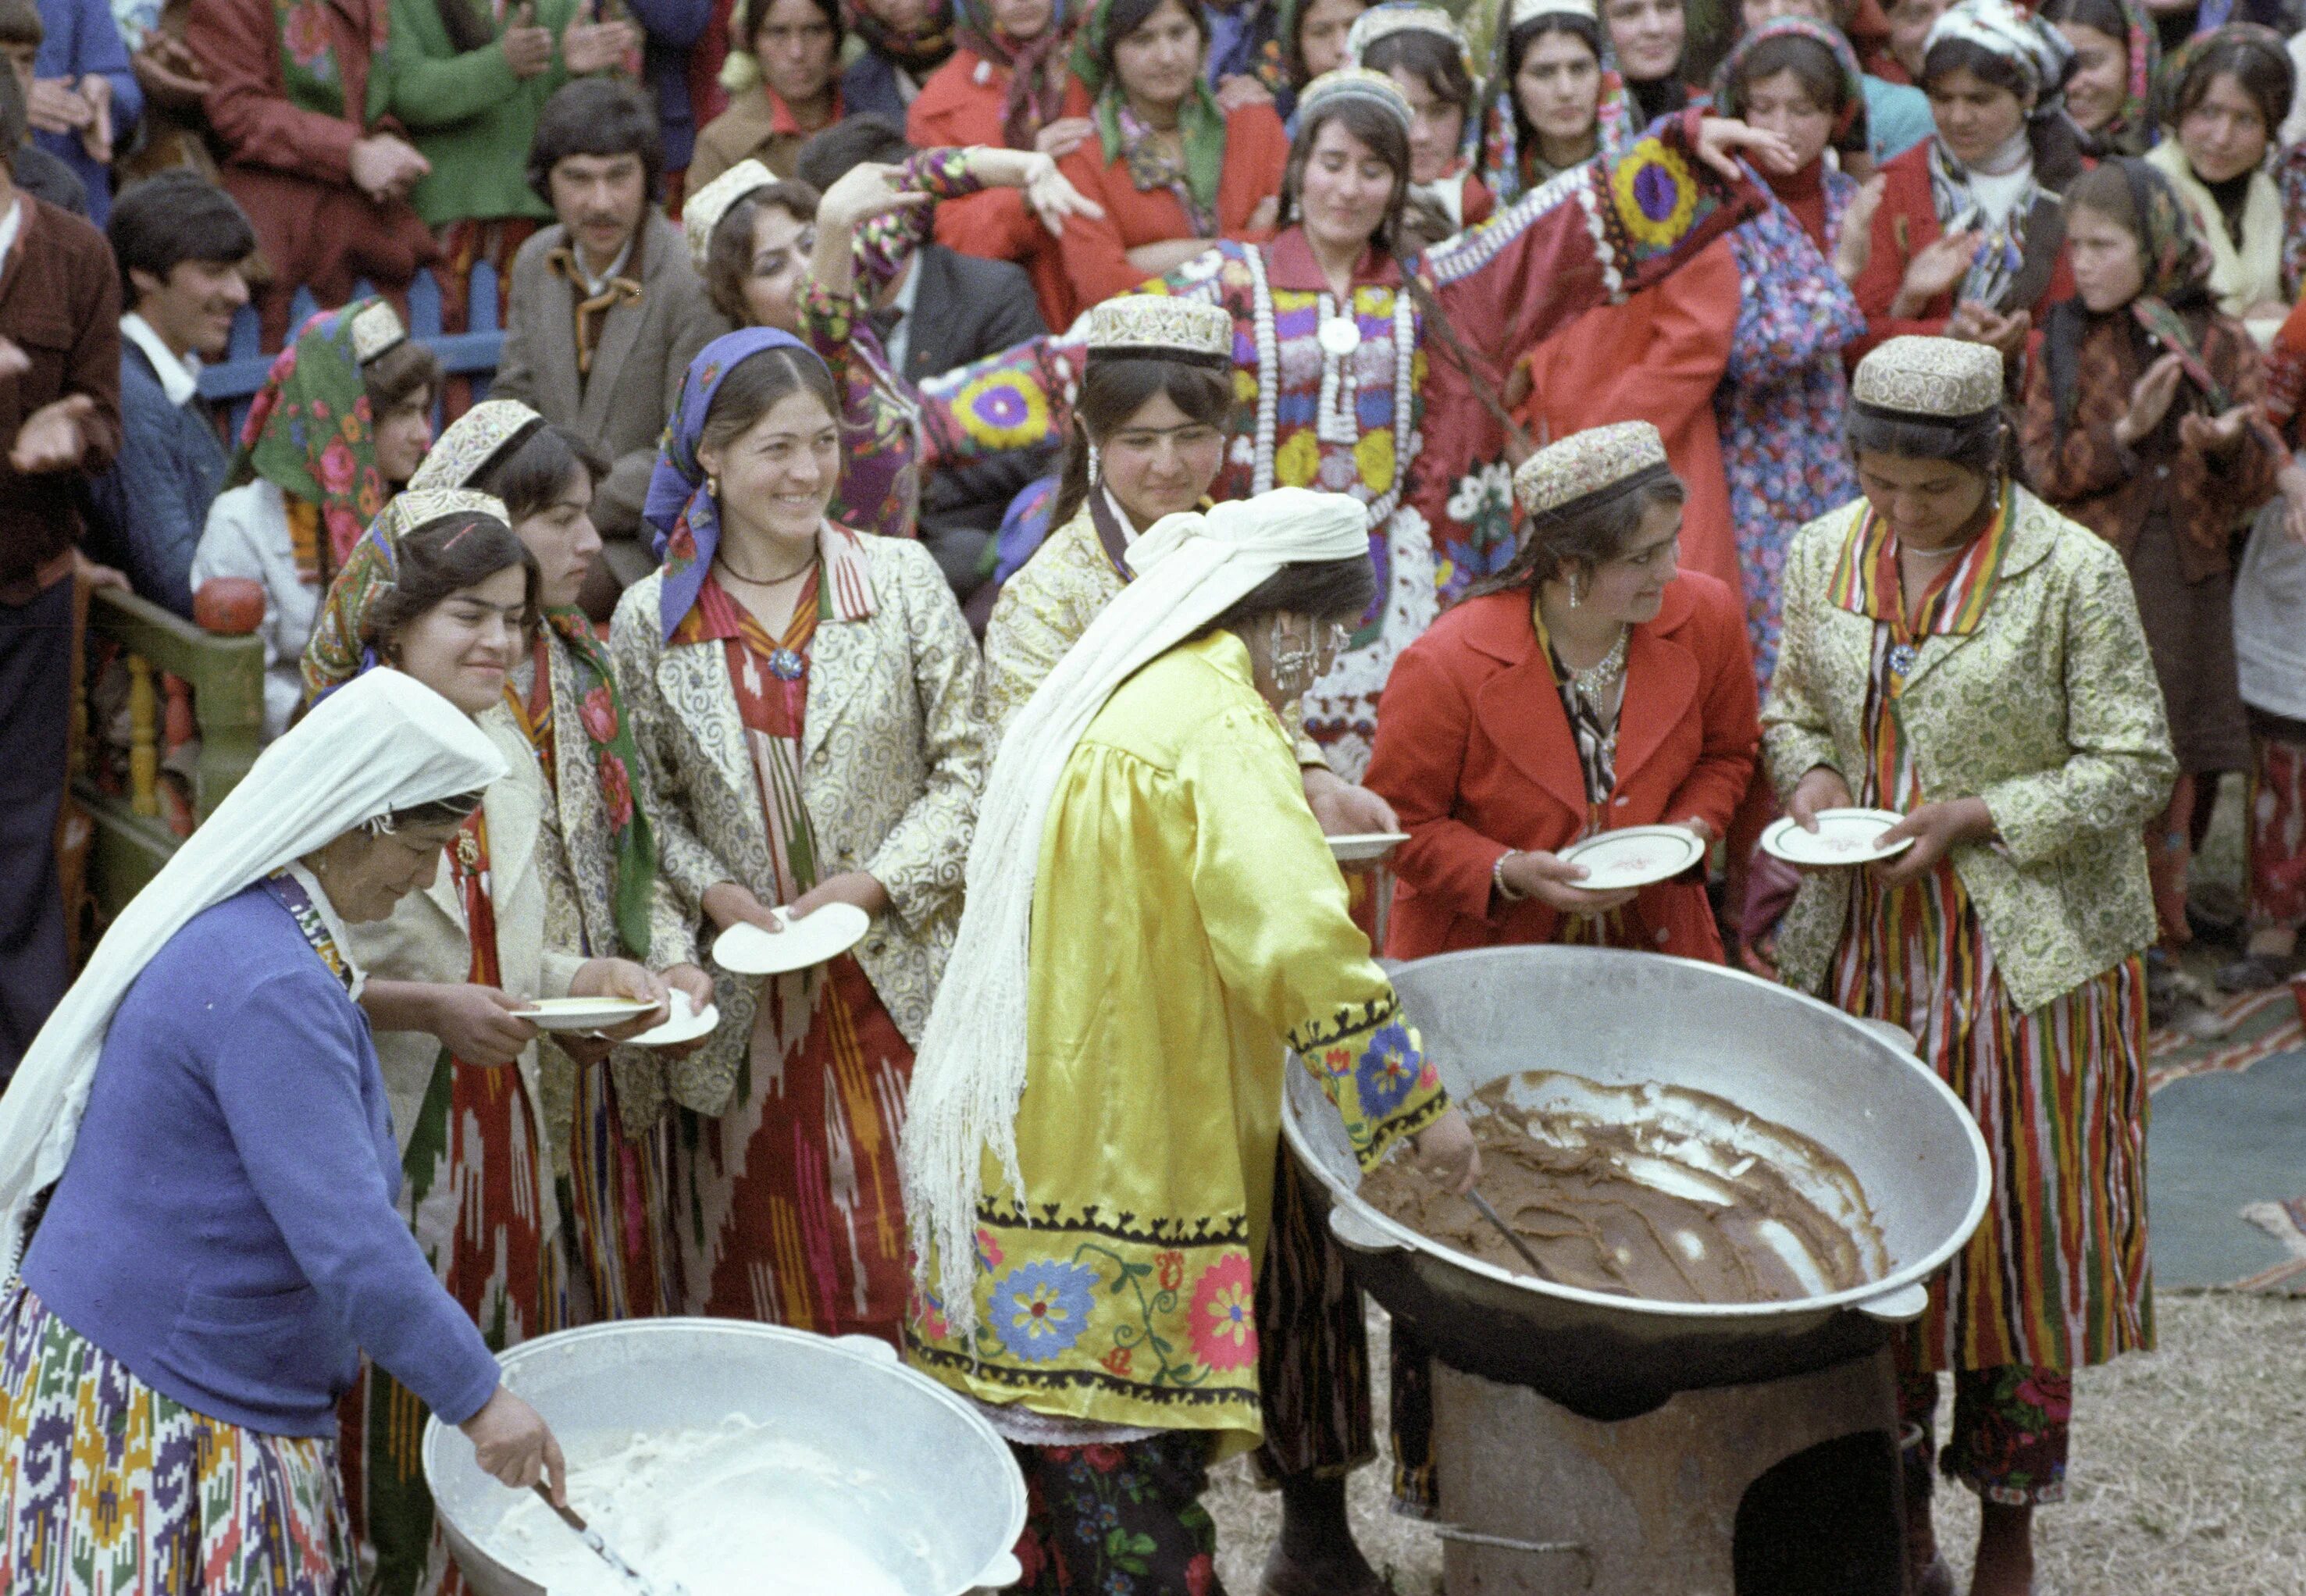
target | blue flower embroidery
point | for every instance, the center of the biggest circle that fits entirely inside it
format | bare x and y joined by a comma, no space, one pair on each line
1042,1307
1387,1069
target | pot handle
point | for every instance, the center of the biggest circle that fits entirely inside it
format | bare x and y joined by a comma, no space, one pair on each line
870,1346
1902,1306
1356,1234
1004,1571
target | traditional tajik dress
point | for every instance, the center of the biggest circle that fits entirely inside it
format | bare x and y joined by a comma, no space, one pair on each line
1355,400
2047,1052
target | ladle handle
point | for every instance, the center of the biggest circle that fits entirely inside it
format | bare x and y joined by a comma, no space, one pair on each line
1902,1306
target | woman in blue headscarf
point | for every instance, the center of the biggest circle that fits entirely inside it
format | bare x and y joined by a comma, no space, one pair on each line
807,706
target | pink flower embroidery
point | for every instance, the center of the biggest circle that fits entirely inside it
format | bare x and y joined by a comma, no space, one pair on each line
337,469
617,787
307,33
1222,1322
599,711
989,1255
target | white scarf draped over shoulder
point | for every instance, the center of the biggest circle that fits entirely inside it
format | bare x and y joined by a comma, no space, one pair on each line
970,1073
383,743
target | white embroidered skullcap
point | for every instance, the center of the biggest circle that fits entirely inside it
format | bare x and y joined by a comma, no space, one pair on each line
1940,378
1353,82
1583,464
471,441
376,328
1162,326
703,210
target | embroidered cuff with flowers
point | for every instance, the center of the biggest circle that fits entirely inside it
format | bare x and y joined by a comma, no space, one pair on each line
1368,1060
883,242
828,320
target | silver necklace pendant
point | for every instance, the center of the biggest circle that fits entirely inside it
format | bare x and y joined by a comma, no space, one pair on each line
1339,335
785,665
1902,658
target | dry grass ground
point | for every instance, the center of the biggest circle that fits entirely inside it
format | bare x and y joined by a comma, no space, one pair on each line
2189,1476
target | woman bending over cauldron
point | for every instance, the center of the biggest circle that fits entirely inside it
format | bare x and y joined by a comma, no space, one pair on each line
207,1122
1145,839
806,702
1959,652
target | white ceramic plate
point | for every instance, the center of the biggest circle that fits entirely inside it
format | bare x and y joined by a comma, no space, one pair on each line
1843,837
685,1025
583,1013
827,933
1361,846
1638,856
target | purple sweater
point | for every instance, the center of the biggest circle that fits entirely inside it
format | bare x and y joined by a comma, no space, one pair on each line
226,1227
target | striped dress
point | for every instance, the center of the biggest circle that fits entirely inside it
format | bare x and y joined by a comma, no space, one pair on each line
2057,1275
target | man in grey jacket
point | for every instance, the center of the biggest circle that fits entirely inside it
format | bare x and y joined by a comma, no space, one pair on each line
606,312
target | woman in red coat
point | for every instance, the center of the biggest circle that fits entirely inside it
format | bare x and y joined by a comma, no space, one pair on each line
1590,688
1173,171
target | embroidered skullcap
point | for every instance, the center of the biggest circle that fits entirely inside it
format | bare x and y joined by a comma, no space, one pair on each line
376,328
1528,10
1942,380
339,649
1406,16
706,207
473,441
1995,26
1156,324
1598,460
1353,82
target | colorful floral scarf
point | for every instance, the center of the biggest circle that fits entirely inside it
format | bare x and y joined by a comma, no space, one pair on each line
1037,67
1507,170
310,73
2172,76
681,507
1198,119
339,649
1849,133
310,433
473,442
2133,129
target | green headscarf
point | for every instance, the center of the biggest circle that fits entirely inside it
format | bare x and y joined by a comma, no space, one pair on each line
1198,119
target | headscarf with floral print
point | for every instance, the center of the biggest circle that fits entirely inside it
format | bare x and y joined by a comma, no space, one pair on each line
339,648
310,73
1389,18
311,433
1507,170
2172,82
1037,66
1200,123
1849,135
2131,130
476,440
681,507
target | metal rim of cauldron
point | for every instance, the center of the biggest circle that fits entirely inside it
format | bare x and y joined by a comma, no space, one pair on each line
1001,1569
1894,1297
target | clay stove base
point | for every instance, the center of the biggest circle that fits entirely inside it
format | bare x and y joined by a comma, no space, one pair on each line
1538,1501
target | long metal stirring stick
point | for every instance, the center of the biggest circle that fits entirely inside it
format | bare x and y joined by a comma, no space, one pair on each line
625,1571
1474,1195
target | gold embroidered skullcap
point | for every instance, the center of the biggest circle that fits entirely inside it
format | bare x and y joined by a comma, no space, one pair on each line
473,441
1404,16
376,328
416,508
1941,379
1583,464
1158,325
705,209
1353,82
1528,10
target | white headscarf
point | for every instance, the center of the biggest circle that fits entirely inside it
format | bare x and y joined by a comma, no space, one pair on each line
383,743
970,1073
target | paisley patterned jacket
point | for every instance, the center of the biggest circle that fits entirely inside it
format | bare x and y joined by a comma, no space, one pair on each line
2049,711
893,755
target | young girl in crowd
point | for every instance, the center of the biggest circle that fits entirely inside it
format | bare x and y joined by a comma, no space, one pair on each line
2117,58
343,420
2226,93
1957,651
1312,37
1783,391
806,701
1423,51
1171,171
1965,240
1551,102
785,86
2137,426
1007,85
441,589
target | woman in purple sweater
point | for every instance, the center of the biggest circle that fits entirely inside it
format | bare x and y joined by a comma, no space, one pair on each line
205,1115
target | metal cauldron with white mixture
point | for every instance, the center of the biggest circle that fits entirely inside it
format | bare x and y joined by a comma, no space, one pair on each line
1624,1019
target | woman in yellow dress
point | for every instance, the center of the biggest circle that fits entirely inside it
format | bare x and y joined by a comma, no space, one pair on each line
1096,1106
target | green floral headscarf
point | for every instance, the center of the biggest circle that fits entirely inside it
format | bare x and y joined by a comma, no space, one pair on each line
1202,123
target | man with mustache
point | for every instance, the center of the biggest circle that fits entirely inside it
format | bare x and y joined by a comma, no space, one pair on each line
606,312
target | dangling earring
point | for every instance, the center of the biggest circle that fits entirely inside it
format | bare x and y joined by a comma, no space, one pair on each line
1093,464
1295,664
1576,589
712,487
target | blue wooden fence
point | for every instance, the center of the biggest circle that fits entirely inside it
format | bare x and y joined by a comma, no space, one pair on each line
230,383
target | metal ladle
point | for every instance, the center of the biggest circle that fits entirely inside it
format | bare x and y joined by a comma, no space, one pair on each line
1513,1238
592,1537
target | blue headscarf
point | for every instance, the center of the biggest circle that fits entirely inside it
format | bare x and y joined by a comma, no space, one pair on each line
685,517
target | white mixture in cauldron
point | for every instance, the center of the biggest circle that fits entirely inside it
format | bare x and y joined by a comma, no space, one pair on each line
733,1511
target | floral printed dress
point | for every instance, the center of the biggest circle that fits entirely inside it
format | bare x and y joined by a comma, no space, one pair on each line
1782,400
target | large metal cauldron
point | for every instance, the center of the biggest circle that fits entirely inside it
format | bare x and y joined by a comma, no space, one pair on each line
1623,1019
945,1501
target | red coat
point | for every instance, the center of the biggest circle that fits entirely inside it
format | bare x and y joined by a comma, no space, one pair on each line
1906,224
291,169
1097,252
960,105
1474,754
